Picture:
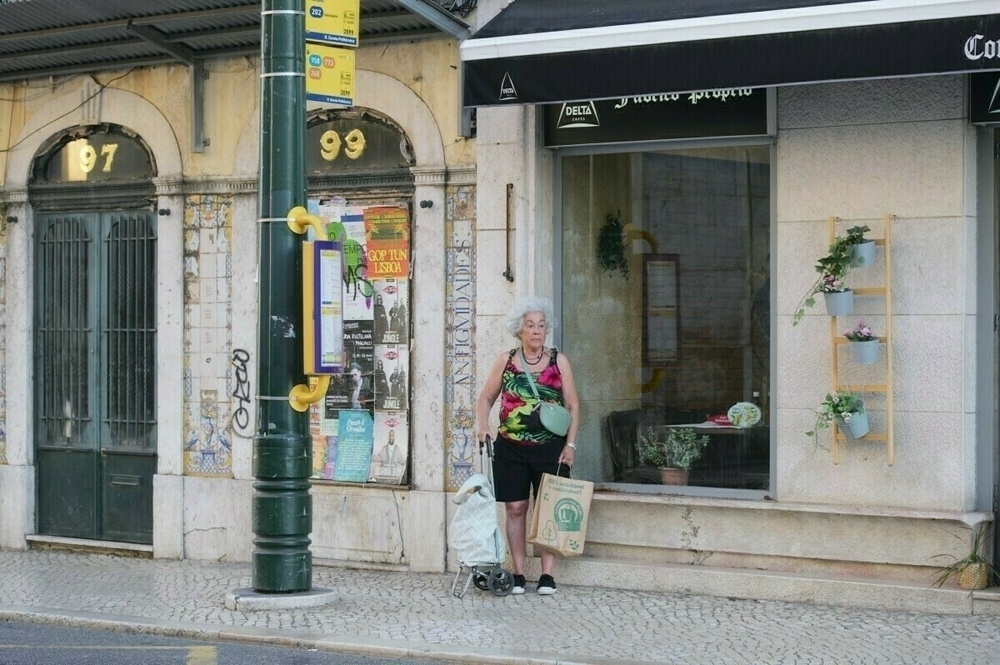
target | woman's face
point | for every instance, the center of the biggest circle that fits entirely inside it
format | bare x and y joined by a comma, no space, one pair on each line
533,330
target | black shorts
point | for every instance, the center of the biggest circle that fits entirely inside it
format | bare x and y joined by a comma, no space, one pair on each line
517,468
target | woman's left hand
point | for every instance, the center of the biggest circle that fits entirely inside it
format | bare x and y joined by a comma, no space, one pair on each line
566,456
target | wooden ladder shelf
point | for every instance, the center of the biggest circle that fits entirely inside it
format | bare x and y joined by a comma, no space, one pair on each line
837,339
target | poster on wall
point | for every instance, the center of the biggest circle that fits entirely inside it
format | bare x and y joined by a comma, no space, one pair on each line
323,431
388,464
387,246
391,385
376,311
390,311
354,446
359,366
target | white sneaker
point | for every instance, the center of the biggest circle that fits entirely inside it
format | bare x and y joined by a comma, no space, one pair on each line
546,585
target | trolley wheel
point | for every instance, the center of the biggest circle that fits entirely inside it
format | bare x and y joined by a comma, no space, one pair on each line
501,582
481,580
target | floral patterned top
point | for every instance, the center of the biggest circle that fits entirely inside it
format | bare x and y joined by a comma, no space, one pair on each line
519,418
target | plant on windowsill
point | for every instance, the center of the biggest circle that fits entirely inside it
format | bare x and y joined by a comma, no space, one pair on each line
671,449
973,570
846,410
833,269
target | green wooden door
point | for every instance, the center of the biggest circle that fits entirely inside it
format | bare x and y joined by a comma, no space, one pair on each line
95,374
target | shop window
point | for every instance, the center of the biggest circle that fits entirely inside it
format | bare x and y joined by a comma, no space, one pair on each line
676,329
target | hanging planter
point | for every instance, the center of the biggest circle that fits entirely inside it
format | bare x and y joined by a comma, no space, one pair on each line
833,269
839,303
865,353
864,343
611,249
854,425
864,253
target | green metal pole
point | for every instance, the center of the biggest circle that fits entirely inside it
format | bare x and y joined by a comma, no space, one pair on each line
282,456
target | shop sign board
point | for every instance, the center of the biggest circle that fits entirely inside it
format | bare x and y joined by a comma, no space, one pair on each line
700,114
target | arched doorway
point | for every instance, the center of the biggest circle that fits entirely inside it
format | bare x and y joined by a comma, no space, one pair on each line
95,334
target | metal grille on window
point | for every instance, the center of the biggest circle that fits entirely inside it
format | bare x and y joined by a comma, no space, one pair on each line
130,334
64,332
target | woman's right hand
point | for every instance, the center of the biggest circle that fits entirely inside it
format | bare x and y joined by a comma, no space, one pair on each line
481,434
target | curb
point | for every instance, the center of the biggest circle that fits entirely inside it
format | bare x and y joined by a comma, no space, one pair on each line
386,649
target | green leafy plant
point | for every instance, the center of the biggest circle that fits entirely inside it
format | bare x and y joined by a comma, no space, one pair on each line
969,565
611,251
671,447
841,405
856,235
833,269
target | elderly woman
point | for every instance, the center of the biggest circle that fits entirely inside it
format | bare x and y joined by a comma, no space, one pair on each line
524,448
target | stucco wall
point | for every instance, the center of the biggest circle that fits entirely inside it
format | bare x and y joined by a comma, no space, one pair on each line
208,281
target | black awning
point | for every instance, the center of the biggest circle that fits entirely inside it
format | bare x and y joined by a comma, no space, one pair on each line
648,47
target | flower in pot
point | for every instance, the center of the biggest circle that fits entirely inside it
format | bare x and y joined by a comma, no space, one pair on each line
974,571
671,449
846,410
832,269
864,343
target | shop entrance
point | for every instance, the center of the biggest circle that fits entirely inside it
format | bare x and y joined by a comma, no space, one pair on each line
94,338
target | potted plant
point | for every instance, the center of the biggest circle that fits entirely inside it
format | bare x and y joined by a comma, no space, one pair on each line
862,249
673,450
864,343
846,410
973,570
832,269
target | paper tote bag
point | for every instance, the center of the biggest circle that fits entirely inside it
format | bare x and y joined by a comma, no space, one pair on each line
559,520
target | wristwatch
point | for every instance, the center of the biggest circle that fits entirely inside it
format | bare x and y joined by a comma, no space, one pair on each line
571,445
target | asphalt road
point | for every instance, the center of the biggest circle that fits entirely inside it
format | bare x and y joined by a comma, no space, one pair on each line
33,644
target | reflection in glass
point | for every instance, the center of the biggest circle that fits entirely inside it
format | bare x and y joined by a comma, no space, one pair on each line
685,337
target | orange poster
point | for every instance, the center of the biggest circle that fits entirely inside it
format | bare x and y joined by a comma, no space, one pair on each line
387,242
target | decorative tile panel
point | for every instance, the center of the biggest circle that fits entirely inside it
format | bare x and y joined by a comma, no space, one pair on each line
208,336
460,348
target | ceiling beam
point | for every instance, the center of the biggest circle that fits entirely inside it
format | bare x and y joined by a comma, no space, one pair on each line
156,38
439,17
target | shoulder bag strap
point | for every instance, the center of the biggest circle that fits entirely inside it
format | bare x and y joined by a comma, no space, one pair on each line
531,380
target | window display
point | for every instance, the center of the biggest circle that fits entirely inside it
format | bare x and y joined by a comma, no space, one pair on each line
687,337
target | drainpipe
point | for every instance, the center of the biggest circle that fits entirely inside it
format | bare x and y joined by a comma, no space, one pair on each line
282,456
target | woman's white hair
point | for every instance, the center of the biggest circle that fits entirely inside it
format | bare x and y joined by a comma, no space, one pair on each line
527,305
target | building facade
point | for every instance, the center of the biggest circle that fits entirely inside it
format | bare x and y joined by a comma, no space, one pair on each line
677,237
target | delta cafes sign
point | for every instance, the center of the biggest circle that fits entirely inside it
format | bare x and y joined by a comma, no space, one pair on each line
704,113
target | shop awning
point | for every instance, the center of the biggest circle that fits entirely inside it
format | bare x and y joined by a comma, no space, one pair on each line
540,51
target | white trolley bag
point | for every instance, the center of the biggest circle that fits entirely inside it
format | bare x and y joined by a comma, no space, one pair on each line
475,534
